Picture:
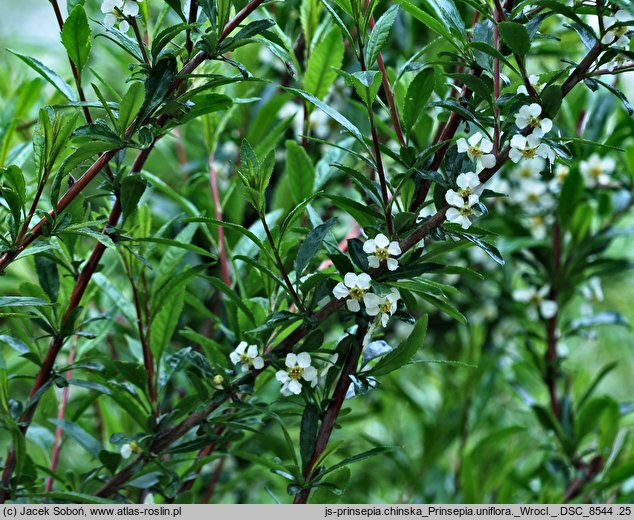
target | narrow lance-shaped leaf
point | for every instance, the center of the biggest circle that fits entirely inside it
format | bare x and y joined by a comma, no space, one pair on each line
76,37
380,34
326,57
311,245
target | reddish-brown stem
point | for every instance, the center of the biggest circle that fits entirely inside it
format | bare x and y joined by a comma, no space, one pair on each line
332,412
213,481
76,76
61,413
550,375
387,90
224,260
148,358
139,39
193,16
496,78
280,265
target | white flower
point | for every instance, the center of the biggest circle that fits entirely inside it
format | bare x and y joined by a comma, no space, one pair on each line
561,174
539,224
116,11
462,208
531,168
596,171
298,368
529,148
529,116
533,194
477,148
537,298
383,305
593,291
247,356
379,249
616,36
353,288
534,81
128,449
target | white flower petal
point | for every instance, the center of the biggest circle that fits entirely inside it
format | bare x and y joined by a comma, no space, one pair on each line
363,281
258,363
295,387
310,373
462,145
350,279
124,26
369,246
303,359
548,308
488,161
394,249
291,360
353,305
282,376
374,262
340,291
381,240
392,264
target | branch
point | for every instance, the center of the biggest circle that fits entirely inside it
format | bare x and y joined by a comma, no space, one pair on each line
103,160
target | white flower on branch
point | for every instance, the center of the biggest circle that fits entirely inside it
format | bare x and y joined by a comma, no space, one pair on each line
477,148
534,81
353,287
616,35
462,209
561,174
298,367
380,249
538,299
530,168
247,356
533,195
523,148
528,116
128,449
117,10
383,306
596,171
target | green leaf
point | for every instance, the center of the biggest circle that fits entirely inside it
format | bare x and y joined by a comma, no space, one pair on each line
132,189
357,458
326,57
49,75
300,172
308,433
80,435
130,105
22,301
176,7
515,36
331,112
48,276
551,98
311,245
379,35
402,354
429,21
157,85
418,93
15,344
367,84
76,37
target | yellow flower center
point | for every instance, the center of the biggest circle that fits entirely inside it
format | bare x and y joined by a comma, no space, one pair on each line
464,193
357,293
135,447
244,359
475,151
535,299
296,372
532,197
533,121
529,153
465,211
596,171
382,253
385,307
620,31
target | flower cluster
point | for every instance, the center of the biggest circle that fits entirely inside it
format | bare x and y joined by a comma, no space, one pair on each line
477,148
616,32
116,11
247,356
464,201
356,289
537,299
530,146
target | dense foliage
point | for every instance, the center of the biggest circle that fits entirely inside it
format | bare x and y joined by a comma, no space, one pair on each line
253,251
